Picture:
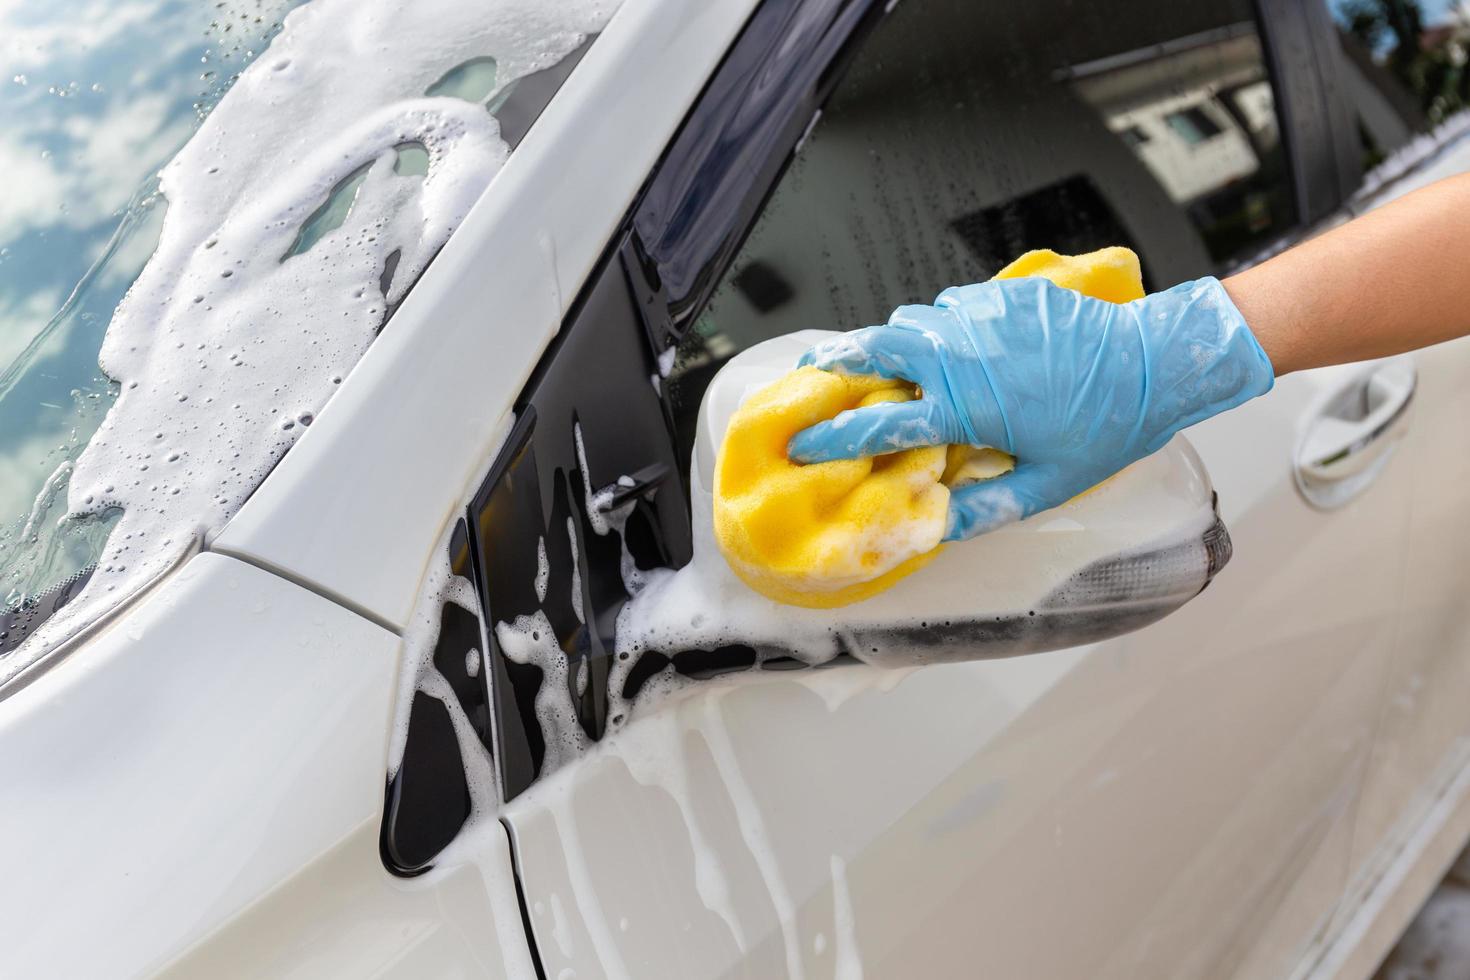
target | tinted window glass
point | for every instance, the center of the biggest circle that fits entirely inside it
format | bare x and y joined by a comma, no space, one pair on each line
1404,64
965,134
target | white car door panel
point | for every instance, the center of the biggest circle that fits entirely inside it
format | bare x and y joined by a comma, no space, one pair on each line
210,751
1423,732
1413,806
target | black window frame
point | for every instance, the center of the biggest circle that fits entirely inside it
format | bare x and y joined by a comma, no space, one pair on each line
1318,122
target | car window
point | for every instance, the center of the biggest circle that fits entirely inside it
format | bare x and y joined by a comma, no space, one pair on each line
222,204
962,135
95,100
1403,69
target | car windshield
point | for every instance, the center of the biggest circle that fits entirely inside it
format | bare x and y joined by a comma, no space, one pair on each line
211,211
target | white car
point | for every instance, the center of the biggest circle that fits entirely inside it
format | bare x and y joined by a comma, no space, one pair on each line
348,697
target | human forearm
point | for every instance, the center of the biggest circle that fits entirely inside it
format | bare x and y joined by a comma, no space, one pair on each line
1391,281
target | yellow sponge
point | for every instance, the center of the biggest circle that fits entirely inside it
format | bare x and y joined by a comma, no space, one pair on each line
830,534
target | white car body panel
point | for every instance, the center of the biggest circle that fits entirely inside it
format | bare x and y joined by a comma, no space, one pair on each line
1414,816
191,760
426,407
343,915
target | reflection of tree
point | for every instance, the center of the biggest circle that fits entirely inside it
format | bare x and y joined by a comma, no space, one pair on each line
1372,20
1429,62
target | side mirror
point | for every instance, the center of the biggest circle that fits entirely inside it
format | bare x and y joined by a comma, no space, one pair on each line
1117,558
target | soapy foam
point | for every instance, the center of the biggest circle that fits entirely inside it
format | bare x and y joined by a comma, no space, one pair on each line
661,762
225,352
607,519
543,569
576,572
478,769
531,640
484,847
419,638
849,963
757,838
556,794
596,501
560,932
656,755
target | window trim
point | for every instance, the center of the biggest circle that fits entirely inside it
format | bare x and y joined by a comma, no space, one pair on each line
701,200
1317,128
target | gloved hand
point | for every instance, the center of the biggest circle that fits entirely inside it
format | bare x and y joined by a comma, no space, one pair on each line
1075,388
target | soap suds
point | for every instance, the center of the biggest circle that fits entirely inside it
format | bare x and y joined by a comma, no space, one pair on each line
531,640
849,965
661,762
560,933
479,771
543,569
576,571
226,349
757,838
657,755
419,638
557,796
606,518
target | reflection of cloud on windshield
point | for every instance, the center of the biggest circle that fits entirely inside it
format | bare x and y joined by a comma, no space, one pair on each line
113,153
42,186
18,316
36,39
77,153
110,92
96,95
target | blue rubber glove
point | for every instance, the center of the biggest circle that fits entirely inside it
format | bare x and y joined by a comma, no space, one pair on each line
1075,388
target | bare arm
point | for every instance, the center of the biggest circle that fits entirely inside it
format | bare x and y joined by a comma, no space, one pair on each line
1393,280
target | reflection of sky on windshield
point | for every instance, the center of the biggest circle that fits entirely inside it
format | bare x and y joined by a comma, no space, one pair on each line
1434,11
95,97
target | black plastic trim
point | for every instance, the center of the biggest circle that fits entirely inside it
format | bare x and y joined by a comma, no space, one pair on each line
728,156
1305,80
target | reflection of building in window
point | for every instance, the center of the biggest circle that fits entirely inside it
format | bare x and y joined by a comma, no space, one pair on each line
1133,136
1193,125
1196,138
1198,112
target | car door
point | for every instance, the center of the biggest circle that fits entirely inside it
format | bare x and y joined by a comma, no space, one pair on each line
1177,802
1415,809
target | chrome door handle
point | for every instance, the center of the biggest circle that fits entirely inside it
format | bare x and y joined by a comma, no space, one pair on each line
1353,433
